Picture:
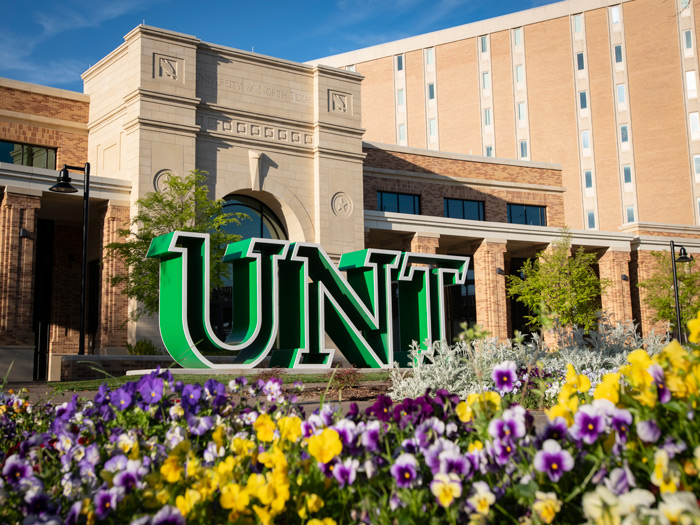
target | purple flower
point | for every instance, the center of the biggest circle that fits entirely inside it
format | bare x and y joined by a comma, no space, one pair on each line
412,411
452,462
121,398
346,431
74,513
620,481
404,470
503,450
370,437
190,396
621,421
659,380
130,478
381,409
648,431
216,392
433,453
504,376
199,425
105,502
555,429
589,423
151,389
345,472
511,425
168,515
272,389
116,463
16,469
553,460
429,430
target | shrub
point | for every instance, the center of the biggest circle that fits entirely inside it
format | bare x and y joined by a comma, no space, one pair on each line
145,347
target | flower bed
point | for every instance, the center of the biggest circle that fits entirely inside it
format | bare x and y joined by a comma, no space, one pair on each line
156,451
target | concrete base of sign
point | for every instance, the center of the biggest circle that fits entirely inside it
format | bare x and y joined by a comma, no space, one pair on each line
247,371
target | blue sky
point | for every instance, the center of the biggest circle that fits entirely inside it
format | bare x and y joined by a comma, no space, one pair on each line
52,43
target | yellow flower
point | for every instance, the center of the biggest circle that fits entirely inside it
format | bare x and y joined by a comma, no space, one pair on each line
464,412
609,388
218,436
264,427
290,428
446,488
674,354
171,469
242,447
694,327
325,446
546,505
187,502
482,498
314,503
273,459
475,446
636,372
234,497
263,514
676,385
325,521
565,410
666,473
579,382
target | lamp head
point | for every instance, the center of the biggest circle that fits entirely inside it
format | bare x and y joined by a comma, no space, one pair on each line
683,256
63,184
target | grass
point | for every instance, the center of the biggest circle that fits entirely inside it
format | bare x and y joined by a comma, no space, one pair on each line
112,382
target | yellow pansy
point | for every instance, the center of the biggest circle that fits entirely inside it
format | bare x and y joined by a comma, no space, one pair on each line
314,503
324,521
446,488
242,447
325,446
565,410
218,436
637,371
694,327
171,469
609,388
264,428
273,459
234,497
579,381
674,354
290,428
263,514
464,412
546,505
475,446
186,503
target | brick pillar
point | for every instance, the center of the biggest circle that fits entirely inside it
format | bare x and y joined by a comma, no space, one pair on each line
64,333
114,305
642,267
17,253
422,243
616,299
491,308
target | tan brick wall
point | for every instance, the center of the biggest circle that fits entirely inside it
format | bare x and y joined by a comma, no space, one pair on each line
378,100
602,109
421,244
415,100
658,114
17,268
503,106
64,333
113,303
552,108
642,267
616,299
458,108
491,307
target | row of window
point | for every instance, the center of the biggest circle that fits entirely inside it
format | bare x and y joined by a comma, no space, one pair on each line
460,208
27,155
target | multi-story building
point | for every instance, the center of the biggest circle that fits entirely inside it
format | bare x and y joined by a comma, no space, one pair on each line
482,140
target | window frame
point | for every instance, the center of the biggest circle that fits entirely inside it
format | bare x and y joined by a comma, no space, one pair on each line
480,208
540,211
416,204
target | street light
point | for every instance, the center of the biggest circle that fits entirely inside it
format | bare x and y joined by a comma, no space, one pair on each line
682,258
63,185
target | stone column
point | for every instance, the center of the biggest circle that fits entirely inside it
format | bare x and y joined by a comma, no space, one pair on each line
491,307
112,331
616,299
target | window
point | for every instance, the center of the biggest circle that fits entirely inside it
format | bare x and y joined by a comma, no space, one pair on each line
591,219
464,209
351,67
398,202
484,44
615,14
399,62
588,176
688,39
400,98
27,155
526,214
578,23
402,131
696,167
630,213
489,151
583,100
430,56
691,85
487,117
485,80
618,54
432,127
519,76
579,62
621,99
624,134
518,36
685,4
522,112
523,149
431,91
627,173
694,125
586,139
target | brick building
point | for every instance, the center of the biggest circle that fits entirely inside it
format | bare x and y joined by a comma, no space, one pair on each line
473,145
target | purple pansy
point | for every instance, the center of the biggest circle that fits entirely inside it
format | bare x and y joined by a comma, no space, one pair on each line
553,460
151,389
555,429
381,409
131,476
589,423
370,436
345,472
504,375
105,502
503,450
662,391
621,420
199,425
191,395
648,431
429,430
121,398
405,470
168,515
511,424
16,469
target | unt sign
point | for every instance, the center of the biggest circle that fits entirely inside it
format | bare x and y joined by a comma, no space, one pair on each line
288,295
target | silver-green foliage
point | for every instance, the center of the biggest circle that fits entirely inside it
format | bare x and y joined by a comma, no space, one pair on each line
465,367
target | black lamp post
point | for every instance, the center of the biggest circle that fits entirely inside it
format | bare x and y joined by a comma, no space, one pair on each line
682,258
63,185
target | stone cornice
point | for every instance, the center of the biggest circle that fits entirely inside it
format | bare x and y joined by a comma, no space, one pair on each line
44,90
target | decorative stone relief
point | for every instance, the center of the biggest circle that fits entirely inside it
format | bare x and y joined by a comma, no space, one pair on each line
167,68
269,133
341,204
339,102
159,179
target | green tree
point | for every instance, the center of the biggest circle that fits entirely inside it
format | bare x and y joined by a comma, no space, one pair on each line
659,290
559,286
183,204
